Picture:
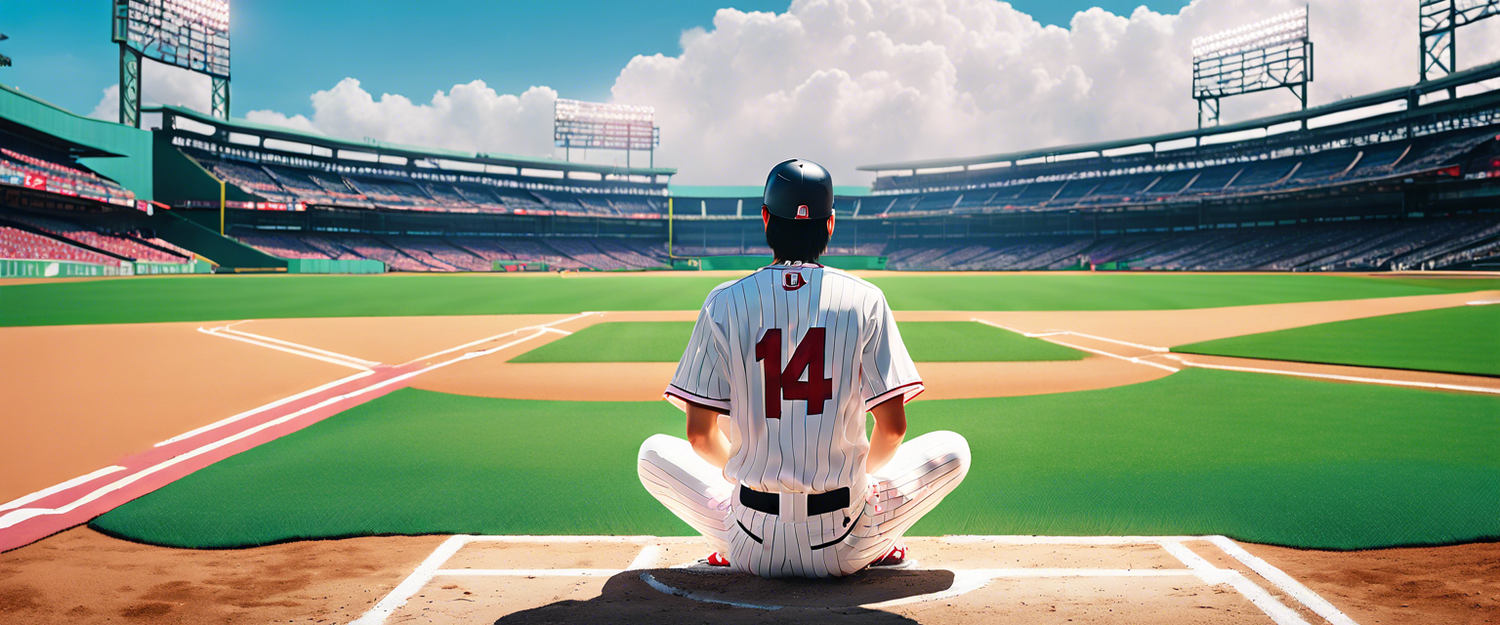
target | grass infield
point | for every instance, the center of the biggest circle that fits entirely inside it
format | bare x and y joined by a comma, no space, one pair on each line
212,298
1463,339
927,341
1262,458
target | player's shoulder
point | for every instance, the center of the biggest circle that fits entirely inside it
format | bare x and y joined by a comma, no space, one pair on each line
727,285
852,281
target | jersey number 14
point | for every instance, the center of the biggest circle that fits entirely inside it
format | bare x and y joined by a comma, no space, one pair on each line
787,383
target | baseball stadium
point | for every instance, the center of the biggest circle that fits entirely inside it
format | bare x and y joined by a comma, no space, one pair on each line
1247,372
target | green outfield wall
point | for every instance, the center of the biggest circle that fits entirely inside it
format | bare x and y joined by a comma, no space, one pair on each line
70,269
327,265
713,263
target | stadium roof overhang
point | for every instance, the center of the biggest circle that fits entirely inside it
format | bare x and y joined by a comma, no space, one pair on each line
34,130
51,141
411,152
1410,94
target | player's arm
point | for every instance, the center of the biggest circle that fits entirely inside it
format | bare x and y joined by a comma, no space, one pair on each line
890,429
709,441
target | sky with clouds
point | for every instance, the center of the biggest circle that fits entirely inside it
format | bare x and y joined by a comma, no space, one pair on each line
842,82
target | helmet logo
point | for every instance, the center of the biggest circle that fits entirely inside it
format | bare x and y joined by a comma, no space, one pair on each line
802,211
792,280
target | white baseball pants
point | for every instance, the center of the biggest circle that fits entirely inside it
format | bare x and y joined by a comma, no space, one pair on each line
924,470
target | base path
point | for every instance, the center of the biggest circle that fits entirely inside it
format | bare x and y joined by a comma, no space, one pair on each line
145,467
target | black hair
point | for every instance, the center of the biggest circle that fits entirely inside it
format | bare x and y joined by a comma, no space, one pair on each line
797,239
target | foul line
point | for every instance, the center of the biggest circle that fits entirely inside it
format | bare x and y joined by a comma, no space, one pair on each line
1045,336
343,363
1342,378
17,516
545,328
52,490
305,348
255,411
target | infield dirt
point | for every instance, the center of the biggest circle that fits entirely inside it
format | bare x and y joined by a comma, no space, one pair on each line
82,576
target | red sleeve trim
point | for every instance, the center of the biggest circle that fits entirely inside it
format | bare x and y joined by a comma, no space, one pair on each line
905,391
707,403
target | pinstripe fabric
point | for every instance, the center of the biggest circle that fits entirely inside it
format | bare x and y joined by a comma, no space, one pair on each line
813,447
809,449
923,472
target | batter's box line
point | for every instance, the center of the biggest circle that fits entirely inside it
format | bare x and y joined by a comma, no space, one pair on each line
965,580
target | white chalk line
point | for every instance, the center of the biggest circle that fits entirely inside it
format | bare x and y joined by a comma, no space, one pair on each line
52,490
413,583
965,580
646,558
23,514
255,411
1211,574
1483,302
1285,582
342,363
487,339
305,348
1046,336
1341,378
1186,363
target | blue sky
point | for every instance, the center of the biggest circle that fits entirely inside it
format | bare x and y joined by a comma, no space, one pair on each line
283,51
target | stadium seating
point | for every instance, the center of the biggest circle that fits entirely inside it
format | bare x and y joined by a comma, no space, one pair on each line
18,244
124,244
1372,245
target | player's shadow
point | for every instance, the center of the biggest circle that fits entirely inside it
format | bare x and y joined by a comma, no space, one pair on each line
628,598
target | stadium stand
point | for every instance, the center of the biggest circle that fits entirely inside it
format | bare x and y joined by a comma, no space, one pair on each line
1319,247
22,245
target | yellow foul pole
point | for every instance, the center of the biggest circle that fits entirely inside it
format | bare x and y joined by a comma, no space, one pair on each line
221,208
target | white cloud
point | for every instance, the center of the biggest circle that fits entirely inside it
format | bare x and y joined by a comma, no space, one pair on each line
853,82
468,117
160,84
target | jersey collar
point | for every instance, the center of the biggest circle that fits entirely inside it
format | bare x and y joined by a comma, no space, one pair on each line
792,264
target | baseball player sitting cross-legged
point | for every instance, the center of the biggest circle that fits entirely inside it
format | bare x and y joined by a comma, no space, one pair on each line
795,354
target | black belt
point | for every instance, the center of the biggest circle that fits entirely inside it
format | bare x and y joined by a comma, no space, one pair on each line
818,503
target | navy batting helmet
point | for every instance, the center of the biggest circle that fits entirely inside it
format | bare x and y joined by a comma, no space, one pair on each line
798,189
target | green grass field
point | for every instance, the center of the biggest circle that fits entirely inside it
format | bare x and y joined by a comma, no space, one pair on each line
213,298
1464,339
1261,458
927,341
619,341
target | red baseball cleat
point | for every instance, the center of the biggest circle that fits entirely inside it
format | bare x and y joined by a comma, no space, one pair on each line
714,559
896,557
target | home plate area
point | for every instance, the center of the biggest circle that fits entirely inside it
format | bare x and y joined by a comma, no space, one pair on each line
952,579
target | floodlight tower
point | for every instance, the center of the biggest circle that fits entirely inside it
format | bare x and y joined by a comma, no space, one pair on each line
1437,21
577,124
1269,54
191,34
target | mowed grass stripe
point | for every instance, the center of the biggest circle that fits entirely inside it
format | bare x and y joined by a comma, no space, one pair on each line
926,341
1261,458
1464,339
214,298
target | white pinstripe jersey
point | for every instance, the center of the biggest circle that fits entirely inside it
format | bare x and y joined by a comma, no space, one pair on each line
795,354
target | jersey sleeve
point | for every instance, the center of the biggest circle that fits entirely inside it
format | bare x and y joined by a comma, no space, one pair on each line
887,369
701,378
